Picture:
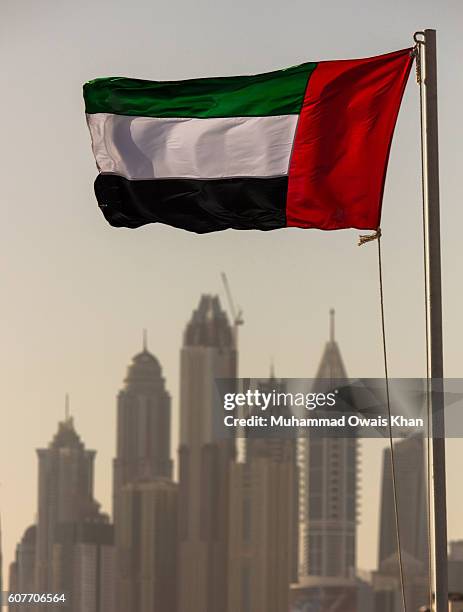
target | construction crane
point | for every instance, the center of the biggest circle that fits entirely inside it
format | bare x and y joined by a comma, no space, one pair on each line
237,316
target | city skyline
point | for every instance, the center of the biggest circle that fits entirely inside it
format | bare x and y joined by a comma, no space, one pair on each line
149,459
169,465
77,292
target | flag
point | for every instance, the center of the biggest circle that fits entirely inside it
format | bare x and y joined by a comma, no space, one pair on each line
306,146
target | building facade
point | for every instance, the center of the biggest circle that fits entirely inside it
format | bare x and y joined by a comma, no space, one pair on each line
147,552
144,496
331,485
143,447
22,570
84,564
205,461
265,522
410,467
65,494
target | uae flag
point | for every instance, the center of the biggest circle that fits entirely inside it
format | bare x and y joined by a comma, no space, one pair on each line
306,147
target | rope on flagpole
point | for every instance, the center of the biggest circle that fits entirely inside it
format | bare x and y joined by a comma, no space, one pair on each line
391,441
362,240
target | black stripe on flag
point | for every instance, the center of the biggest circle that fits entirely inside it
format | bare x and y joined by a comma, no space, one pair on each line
196,205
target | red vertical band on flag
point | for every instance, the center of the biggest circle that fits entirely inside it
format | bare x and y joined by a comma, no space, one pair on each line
341,147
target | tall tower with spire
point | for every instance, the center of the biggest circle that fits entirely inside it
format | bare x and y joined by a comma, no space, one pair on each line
205,460
145,498
143,448
331,485
65,493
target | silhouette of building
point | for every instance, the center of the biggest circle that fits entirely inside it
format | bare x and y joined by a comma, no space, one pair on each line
1,563
65,494
13,586
147,552
331,485
145,498
456,567
331,594
387,586
410,470
205,459
22,570
264,508
143,425
84,564
410,466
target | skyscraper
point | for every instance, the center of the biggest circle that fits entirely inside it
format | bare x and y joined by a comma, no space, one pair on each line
147,547
205,459
65,494
145,498
410,466
456,567
264,525
22,571
84,564
278,451
143,425
331,487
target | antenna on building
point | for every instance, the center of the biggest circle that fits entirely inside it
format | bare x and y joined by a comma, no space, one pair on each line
145,340
237,316
272,369
66,408
332,321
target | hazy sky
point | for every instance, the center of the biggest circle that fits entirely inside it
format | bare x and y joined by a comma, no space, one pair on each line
76,293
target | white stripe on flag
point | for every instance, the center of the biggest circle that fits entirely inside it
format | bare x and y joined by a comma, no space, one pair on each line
147,147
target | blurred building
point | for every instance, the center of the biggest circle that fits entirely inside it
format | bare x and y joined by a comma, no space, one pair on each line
387,587
65,494
147,553
13,585
410,466
455,604
331,594
74,552
84,564
265,523
143,448
22,570
456,566
1,562
145,498
205,460
330,485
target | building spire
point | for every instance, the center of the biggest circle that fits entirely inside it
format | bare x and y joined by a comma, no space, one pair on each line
272,369
145,340
67,412
332,321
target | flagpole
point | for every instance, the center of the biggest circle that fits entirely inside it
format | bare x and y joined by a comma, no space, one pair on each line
427,51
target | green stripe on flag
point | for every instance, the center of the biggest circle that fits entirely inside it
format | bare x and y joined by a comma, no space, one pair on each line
273,93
